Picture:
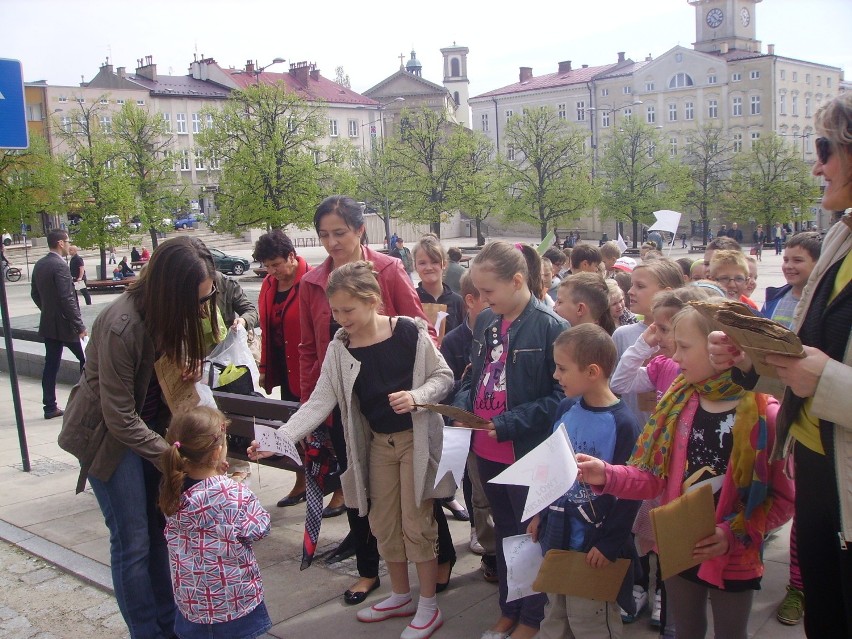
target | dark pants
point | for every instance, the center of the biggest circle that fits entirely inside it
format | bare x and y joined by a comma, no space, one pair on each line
52,358
86,296
826,567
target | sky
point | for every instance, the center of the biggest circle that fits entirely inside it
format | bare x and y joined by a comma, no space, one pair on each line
62,40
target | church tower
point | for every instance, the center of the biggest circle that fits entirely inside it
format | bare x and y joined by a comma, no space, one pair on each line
456,82
725,25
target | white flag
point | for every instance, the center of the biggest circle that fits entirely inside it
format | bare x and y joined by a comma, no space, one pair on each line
622,245
454,454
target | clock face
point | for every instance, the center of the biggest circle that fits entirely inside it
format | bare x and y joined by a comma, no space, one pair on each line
714,18
745,16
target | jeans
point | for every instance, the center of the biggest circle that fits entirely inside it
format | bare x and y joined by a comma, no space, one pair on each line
139,557
52,358
252,625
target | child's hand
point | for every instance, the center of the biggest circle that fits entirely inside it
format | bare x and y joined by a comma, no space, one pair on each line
651,336
713,546
532,527
724,353
254,454
191,374
223,467
401,402
596,559
591,470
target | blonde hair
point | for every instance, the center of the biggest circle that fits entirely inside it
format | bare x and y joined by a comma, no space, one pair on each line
676,300
610,250
667,273
613,290
193,436
431,245
357,279
728,258
591,289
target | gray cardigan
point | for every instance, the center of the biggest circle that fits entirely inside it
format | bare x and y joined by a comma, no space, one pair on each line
432,381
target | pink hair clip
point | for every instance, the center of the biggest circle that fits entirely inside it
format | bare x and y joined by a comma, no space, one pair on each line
176,444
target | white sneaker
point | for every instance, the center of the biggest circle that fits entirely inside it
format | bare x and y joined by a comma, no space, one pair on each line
475,547
656,611
640,598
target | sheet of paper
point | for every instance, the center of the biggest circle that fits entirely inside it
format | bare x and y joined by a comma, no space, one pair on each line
273,439
179,394
523,559
565,572
679,525
454,454
456,414
549,469
440,329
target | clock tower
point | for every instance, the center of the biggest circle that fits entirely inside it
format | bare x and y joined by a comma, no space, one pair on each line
722,25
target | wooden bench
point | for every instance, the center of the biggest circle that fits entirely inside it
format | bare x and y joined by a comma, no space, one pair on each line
697,248
305,241
106,285
631,252
138,264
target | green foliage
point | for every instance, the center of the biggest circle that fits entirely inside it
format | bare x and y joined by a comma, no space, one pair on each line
549,176
267,140
29,184
638,178
709,158
483,188
376,182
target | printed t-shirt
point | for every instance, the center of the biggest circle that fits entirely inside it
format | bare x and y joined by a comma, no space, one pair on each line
490,398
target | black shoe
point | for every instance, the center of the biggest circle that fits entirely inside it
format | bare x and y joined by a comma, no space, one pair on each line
441,587
355,597
329,512
291,500
56,412
459,515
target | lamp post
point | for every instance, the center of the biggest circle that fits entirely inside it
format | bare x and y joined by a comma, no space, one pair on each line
611,110
257,70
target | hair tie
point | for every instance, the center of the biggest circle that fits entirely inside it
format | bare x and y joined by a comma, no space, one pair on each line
176,444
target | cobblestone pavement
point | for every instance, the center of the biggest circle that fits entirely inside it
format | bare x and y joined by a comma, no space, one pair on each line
38,601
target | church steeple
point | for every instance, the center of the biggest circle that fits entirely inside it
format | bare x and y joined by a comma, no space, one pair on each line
413,66
725,25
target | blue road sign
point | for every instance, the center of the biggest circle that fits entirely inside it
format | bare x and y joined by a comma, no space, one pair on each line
13,109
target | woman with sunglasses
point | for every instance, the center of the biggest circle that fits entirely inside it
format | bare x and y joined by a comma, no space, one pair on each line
116,418
815,419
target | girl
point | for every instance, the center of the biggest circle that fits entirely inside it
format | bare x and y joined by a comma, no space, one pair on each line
512,385
393,451
708,430
618,310
430,262
584,299
211,521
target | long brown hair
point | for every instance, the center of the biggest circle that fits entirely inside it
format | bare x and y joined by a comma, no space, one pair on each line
166,295
505,260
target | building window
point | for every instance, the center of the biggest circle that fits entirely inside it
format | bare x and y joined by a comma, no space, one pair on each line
353,128
167,122
738,142
755,105
711,79
581,111
199,160
184,160
510,152
455,68
332,127
652,149
214,163
651,114
713,109
180,122
649,86
782,104
672,112
561,111
209,118
34,112
196,123
807,78
627,90
689,111
604,93
819,80
605,119
65,124
628,113
456,98
80,100
120,102
737,107
736,77
104,101
795,76
681,80
795,105
783,74
828,82
485,122
140,102
509,114
807,107
63,98
755,136
106,123
673,146
754,75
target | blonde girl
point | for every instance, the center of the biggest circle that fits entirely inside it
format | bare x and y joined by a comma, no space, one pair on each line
211,521
376,369
706,430
512,386
430,260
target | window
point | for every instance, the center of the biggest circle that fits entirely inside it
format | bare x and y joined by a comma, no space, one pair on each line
561,111
455,68
196,123
65,124
106,123
34,112
755,136
604,93
807,107
681,80
736,77
104,101
605,119
651,114
167,122
628,113
581,111
755,105
485,122
737,107
456,98
795,105
828,82
353,128
754,75
738,142
627,90
673,147
180,121
199,160
120,102
783,74
63,98
184,160
689,111
509,114
782,104
332,127
795,76
140,102
214,163
80,100
713,109
510,152
819,80
672,112
209,119
711,79
652,148
649,86
807,78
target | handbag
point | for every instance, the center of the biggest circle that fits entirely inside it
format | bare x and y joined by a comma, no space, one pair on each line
254,345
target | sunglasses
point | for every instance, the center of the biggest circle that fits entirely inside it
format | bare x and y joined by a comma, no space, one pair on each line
823,149
203,300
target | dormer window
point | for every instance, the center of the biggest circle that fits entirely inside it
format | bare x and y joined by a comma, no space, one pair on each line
681,80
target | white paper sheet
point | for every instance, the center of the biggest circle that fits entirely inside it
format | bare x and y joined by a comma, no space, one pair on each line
454,454
523,560
442,315
273,439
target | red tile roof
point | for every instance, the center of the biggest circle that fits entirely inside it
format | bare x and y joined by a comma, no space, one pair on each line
313,89
550,80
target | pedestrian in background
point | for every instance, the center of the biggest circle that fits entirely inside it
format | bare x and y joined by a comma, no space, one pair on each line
78,274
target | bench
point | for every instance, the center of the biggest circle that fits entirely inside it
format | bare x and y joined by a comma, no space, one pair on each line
305,241
697,248
106,285
138,264
631,252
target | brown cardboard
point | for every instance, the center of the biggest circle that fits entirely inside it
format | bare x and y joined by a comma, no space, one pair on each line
178,394
456,414
679,525
565,572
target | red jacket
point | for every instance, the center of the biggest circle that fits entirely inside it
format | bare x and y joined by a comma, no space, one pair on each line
398,298
271,362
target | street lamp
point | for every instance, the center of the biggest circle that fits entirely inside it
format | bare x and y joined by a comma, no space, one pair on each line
257,70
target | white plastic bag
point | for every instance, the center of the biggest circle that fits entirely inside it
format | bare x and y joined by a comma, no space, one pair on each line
233,350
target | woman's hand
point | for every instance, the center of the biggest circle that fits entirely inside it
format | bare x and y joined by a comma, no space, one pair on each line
725,353
401,402
255,455
801,375
532,527
591,470
712,546
596,559
192,374
238,322
651,336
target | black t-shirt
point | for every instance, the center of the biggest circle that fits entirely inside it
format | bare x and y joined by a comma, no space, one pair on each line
386,367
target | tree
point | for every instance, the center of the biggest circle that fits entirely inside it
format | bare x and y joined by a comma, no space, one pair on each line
29,184
144,143
484,187
548,170
770,182
376,182
637,180
96,181
341,77
709,158
267,140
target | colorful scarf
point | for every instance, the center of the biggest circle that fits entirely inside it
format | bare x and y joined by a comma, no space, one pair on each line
749,460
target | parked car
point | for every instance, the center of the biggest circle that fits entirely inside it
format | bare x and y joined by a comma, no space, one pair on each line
229,263
7,239
186,221
112,222
135,223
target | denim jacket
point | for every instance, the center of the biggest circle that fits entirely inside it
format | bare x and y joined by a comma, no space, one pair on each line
532,393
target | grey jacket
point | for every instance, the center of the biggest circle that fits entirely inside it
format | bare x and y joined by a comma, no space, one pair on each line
233,303
432,381
52,291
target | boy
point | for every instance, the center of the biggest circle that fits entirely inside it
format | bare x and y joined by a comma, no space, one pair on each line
585,258
585,357
609,254
751,260
729,269
800,256
582,299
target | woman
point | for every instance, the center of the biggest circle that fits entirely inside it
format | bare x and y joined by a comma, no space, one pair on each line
279,325
814,421
116,417
339,222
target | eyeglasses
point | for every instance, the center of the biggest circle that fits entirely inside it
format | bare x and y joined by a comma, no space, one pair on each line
739,280
203,300
823,149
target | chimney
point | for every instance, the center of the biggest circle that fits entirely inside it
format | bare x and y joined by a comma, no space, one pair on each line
525,74
723,48
149,70
648,58
249,66
585,66
315,74
565,67
620,57
122,72
300,71
770,49
106,66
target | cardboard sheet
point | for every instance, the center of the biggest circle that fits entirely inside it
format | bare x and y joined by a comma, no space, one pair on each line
456,414
679,525
565,572
179,395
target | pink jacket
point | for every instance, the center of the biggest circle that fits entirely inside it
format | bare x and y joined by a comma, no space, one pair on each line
630,482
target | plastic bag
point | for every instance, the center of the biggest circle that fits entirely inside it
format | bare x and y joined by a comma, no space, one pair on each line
233,350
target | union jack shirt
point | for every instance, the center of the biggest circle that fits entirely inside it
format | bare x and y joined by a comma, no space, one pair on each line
215,575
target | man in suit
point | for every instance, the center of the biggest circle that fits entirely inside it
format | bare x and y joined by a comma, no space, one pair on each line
78,274
60,324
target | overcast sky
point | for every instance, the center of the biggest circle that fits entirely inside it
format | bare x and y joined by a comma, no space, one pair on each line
61,40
